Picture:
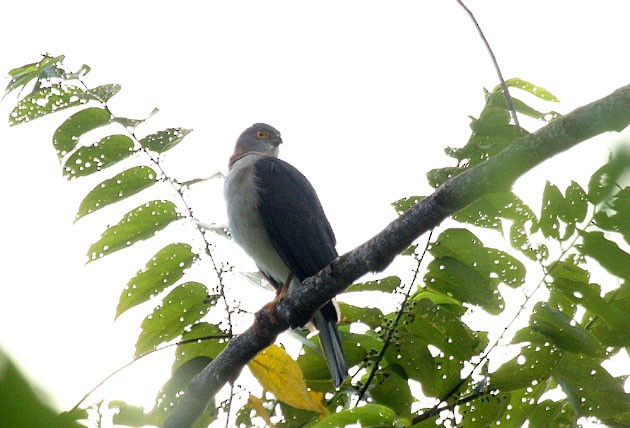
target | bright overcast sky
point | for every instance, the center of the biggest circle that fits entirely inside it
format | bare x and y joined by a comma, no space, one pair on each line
366,94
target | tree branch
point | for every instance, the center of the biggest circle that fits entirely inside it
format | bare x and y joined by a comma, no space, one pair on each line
498,173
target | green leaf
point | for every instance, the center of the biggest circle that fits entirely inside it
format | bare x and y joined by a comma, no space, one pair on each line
573,282
182,307
372,317
21,76
576,204
45,101
616,217
552,206
174,389
491,208
436,177
604,181
386,285
390,388
534,363
128,415
404,204
607,253
103,154
412,354
469,272
535,90
482,412
563,332
164,269
117,188
136,225
590,388
203,347
439,327
520,406
103,93
614,328
164,140
370,415
67,136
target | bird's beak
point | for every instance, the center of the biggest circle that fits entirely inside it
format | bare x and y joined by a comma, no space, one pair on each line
276,141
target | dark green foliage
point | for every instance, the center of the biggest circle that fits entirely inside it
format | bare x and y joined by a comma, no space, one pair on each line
428,340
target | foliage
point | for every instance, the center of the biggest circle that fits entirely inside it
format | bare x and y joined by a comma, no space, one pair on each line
425,355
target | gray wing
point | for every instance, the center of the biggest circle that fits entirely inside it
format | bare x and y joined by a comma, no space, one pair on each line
294,218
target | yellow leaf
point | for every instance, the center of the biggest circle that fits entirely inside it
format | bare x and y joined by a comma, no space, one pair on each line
255,403
279,374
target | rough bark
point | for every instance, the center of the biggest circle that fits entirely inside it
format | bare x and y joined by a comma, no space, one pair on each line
611,113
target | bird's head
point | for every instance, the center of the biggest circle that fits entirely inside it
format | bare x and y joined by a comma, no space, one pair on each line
258,138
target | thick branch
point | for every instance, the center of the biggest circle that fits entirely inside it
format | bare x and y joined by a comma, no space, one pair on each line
611,113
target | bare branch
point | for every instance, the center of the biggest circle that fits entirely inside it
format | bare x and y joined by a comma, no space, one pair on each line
496,174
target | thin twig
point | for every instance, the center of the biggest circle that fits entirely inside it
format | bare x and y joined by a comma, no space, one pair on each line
504,88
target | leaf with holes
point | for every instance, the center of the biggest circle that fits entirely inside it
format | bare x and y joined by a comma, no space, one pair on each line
386,285
138,224
535,90
534,363
66,137
203,340
404,204
165,268
590,388
181,308
45,101
117,188
103,154
370,415
164,140
103,93
563,332
21,76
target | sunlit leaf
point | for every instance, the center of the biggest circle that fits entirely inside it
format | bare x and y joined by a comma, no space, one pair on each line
164,140
117,188
98,156
536,90
165,268
576,204
278,373
66,137
45,101
368,416
562,332
386,285
138,224
182,307
488,211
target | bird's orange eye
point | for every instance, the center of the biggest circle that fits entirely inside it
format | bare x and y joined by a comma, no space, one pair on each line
261,134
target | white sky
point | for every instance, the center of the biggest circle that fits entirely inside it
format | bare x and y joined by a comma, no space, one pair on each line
366,94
